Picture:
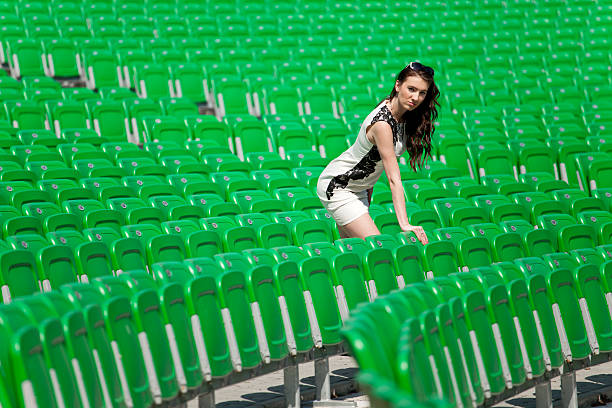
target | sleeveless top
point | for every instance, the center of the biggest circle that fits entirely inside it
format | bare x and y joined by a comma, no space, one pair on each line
360,166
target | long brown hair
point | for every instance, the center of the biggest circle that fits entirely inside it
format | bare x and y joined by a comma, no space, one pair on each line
419,122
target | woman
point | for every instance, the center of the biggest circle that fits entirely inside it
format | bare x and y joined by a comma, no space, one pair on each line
401,122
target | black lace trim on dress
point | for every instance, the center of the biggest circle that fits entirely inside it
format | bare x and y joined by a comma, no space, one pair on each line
363,169
385,114
367,165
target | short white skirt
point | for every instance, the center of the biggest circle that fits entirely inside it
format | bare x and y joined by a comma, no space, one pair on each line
344,206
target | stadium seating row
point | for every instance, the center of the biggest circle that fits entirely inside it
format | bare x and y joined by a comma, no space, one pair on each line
200,250
134,339
187,323
473,338
57,249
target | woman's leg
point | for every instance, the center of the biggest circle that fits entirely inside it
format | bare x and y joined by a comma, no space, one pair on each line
343,233
361,227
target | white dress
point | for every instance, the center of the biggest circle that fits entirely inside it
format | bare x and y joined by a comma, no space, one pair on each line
343,184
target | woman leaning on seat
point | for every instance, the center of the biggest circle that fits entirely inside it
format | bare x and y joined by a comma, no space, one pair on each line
401,122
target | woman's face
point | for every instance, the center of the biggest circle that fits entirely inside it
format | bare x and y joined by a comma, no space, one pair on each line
411,93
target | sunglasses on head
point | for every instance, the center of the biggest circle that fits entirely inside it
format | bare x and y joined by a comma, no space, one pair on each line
417,66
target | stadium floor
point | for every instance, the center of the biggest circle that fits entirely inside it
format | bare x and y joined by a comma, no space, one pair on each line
266,391
594,389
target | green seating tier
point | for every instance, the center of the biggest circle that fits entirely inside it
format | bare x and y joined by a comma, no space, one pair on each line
131,224
516,324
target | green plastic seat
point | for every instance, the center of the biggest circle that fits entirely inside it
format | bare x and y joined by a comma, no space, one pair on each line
201,295
533,339
479,385
230,95
533,265
467,282
128,254
316,99
152,81
387,223
349,281
538,203
565,149
114,391
570,234
281,99
260,256
22,225
207,128
582,162
474,252
189,82
382,240
93,259
566,308
440,258
31,242
161,248
107,118
121,328
263,295
540,301
450,339
500,312
458,212
66,115
537,242
500,208
361,337
479,322
26,57
356,245
490,158
175,315
19,274
100,68
183,228
576,201
269,235
293,306
324,249
533,156
178,107
585,256
250,136
298,140
408,264
600,220
148,323
56,266
505,246
317,284
561,260
414,363
18,315
25,114
451,146
24,357
76,341
590,290
379,271
433,344
164,128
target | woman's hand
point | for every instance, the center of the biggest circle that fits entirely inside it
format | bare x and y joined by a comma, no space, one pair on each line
418,231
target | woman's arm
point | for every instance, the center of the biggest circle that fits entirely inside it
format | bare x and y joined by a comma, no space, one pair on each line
383,138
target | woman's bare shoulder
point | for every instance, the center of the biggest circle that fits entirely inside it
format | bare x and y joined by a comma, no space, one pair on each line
380,128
